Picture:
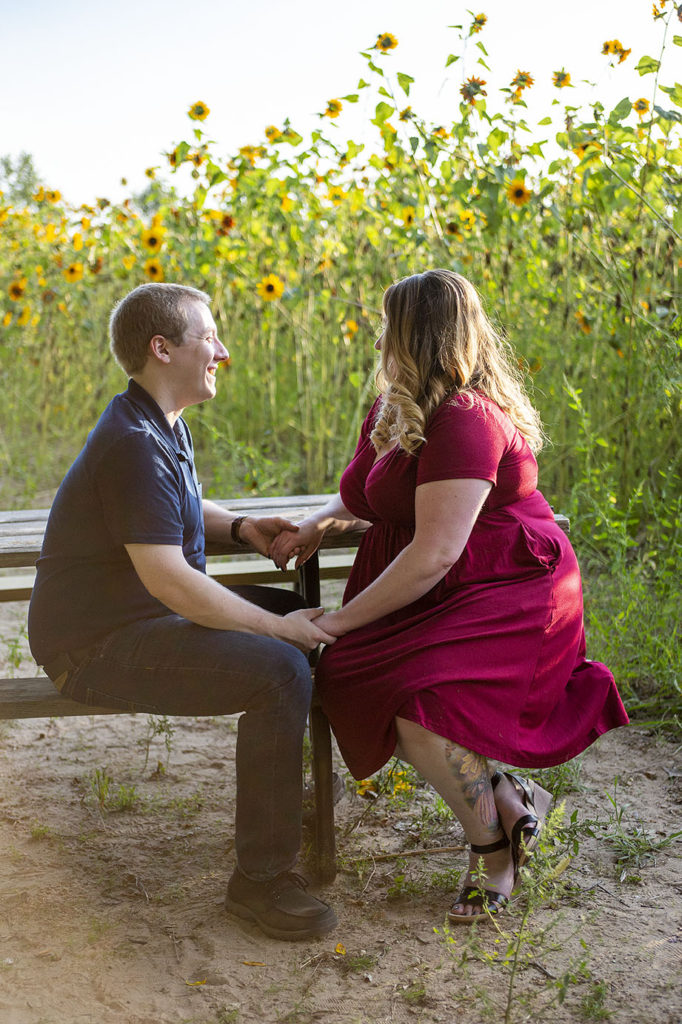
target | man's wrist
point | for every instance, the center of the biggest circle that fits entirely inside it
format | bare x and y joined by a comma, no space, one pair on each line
235,529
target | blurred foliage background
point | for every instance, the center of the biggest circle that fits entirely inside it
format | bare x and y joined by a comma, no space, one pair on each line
569,228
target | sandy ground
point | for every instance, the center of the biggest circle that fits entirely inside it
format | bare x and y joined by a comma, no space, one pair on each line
113,914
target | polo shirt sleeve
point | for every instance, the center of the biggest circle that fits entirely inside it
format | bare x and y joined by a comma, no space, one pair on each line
140,490
462,442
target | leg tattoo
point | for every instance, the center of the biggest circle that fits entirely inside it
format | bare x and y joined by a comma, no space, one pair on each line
471,771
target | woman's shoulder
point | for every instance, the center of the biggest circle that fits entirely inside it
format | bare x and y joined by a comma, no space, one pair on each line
471,415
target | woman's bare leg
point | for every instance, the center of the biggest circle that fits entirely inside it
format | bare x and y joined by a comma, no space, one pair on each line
462,778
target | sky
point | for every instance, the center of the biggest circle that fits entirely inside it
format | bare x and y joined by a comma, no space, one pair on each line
98,92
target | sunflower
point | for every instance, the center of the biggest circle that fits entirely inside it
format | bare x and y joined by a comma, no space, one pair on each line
350,328
7,320
517,193
522,80
334,108
561,79
53,196
272,133
440,132
24,316
129,261
587,148
478,23
153,270
452,228
468,219
226,224
407,214
173,158
250,153
406,114
198,111
385,42
641,106
336,194
472,88
583,322
17,289
270,288
152,239
615,47
74,272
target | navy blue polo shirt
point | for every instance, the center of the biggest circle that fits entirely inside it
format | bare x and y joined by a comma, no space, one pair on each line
133,483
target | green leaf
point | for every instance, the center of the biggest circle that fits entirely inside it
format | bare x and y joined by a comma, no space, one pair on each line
482,48
482,63
621,111
647,65
451,60
362,84
382,112
384,92
668,115
674,92
405,82
414,143
351,98
677,40
545,120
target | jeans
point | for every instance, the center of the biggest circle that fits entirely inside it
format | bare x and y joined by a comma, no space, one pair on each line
171,666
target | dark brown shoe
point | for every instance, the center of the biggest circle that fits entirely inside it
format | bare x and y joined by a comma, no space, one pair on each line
280,907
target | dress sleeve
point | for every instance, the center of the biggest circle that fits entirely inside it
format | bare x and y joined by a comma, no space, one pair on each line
140,492
463,442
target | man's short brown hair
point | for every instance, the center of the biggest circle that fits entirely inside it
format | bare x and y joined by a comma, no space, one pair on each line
148,310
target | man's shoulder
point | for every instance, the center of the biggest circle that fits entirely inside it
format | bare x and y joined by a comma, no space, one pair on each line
123,427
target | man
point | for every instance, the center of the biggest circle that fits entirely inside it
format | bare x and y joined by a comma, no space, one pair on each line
123,614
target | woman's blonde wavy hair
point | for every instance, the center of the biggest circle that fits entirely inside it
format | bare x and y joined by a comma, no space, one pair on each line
438,342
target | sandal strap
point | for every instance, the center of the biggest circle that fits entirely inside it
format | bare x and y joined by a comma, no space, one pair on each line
501,844
477,897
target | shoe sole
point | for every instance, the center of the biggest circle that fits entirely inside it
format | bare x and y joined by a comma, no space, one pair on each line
325,925
541,803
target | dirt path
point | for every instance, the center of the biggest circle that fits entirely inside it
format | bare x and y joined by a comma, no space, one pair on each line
110,914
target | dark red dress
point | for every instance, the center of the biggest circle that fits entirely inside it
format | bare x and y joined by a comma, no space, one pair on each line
493,656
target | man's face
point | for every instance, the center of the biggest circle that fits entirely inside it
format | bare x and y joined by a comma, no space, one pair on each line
196,360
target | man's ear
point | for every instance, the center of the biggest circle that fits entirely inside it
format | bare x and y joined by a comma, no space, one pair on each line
159,348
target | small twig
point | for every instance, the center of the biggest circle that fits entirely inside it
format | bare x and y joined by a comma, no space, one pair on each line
371,874
176,944
419,853
140,887
611,894
543,970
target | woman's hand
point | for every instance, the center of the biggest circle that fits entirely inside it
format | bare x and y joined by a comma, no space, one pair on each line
260,533
330,623
303,543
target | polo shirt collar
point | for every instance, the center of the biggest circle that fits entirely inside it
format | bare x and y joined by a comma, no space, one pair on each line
153,411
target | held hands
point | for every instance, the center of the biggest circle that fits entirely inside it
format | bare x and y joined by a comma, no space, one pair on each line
301,629
260,533
303,543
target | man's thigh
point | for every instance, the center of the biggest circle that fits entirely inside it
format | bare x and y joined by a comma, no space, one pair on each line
169,665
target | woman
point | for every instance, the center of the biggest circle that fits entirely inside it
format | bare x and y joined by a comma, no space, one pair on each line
461,633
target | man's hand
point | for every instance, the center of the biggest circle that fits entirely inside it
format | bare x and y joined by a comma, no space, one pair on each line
260,533
303,543
300,629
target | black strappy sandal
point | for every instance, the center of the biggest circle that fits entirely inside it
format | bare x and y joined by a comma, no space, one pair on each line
526,830
488,900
